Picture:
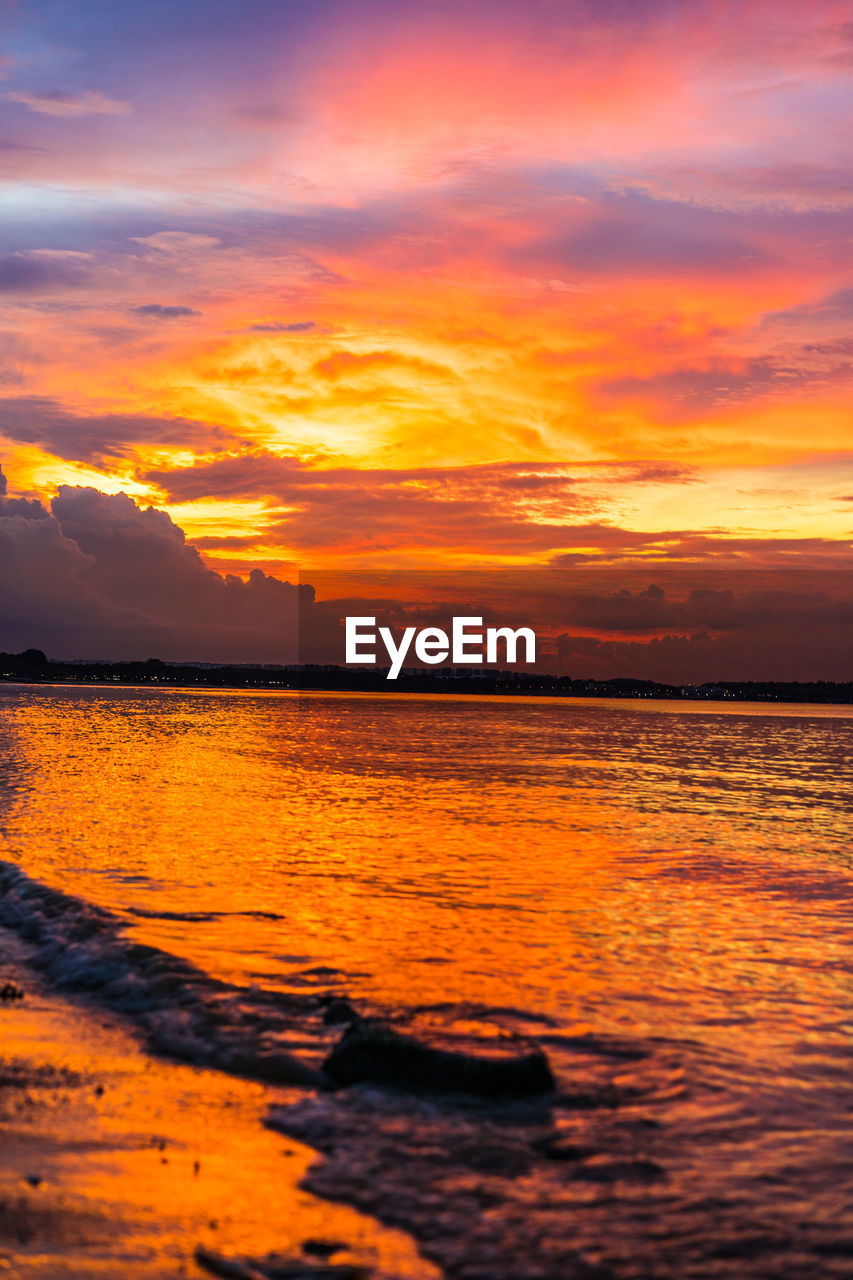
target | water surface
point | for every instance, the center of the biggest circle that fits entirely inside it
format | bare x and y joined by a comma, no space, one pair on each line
670,877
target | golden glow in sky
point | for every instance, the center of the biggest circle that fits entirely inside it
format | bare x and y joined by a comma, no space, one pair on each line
435,284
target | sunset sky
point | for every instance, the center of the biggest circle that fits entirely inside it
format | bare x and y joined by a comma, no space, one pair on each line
362,283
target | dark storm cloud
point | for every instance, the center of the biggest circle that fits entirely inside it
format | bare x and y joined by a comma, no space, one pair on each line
100,576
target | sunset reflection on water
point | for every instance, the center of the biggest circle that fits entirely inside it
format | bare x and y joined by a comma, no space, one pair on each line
657,894
667,868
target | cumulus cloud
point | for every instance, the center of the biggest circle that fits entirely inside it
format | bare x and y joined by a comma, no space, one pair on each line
42,579
99,576
67,103
25,508
157,311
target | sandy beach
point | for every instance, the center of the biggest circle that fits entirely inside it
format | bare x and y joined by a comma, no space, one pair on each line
113,1162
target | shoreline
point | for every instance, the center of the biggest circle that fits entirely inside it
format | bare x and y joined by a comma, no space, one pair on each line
452,690
33,668
117,1161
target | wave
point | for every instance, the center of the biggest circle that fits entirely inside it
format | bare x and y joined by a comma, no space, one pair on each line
315,1039
199,917
184,1012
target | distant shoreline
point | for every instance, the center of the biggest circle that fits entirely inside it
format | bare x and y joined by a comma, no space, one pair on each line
32,667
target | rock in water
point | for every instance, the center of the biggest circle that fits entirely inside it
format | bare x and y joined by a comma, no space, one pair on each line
371,1052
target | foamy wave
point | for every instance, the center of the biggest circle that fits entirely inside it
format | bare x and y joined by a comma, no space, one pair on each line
183,1011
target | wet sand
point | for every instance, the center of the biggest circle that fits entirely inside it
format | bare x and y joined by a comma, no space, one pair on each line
114,1162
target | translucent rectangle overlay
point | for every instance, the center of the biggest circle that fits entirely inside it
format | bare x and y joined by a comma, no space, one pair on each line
679,626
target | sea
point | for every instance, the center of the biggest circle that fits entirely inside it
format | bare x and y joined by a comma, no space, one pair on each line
654,895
